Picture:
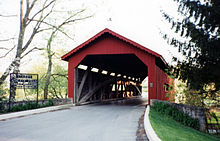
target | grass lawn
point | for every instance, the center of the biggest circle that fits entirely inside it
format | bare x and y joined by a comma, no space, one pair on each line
168,129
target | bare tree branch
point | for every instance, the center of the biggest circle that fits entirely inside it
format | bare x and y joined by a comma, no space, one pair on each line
44,29
8,52
62,75
15,64
28,11
31,37
80,11
55,92
32,4
4,48
64,23
53,26
33,49
67,21
41,10
7,16
5,40
49,52
37,26
71,21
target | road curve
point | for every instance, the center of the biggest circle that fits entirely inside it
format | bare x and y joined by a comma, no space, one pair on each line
96,122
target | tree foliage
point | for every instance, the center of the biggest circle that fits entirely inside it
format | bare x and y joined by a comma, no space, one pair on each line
3,93
58,83
199,43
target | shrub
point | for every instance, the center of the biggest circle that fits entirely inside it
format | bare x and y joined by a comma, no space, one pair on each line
50,102
27,106
1,107
177,115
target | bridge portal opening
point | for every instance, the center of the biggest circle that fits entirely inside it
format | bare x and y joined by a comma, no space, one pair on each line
109,76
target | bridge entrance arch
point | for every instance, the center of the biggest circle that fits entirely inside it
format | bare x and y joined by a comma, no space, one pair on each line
109,65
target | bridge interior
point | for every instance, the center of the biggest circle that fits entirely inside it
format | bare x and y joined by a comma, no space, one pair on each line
109,76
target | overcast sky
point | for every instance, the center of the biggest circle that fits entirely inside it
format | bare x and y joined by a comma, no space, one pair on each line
138,20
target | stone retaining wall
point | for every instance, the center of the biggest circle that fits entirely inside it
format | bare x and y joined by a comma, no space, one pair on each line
192,111
5,105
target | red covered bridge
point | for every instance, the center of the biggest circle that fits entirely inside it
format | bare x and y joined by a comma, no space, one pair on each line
109,65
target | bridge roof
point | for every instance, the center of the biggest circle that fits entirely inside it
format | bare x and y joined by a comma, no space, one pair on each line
94,38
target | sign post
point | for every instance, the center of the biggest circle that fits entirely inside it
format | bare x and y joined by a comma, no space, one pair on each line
23,81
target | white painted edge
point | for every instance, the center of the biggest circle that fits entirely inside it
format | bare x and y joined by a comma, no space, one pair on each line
34,111
152,136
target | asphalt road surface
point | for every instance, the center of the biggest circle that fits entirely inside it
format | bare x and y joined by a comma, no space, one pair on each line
96,122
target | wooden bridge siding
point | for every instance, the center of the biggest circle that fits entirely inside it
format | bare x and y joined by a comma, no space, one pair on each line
112,45
161,80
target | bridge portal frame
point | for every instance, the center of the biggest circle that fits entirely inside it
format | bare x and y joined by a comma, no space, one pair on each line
108,42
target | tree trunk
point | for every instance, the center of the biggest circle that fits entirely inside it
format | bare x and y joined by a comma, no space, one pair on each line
49,69
7,72
16,63
48,75
25,20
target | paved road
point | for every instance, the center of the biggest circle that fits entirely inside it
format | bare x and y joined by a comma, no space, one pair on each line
97,122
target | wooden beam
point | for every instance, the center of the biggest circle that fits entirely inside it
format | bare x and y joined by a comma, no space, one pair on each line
102,93
92,92
125,95
90,79
116,87
137,89
83,82
122,84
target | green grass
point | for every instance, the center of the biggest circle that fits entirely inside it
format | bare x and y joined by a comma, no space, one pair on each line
168,129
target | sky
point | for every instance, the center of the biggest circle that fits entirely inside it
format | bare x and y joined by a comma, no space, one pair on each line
137,20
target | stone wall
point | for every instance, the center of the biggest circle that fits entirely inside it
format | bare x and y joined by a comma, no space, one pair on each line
192,111
62,101
5,105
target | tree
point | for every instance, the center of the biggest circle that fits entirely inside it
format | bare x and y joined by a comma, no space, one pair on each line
28,18
57,87
199,43
71,19
3,93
